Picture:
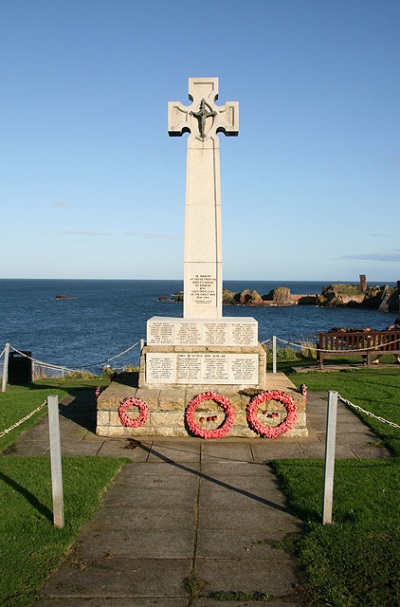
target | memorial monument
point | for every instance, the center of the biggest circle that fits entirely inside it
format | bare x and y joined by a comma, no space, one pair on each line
203,374
203,348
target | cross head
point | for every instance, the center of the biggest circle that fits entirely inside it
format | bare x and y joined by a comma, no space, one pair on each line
203,119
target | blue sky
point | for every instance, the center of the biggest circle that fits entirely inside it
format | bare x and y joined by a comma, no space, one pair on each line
91,186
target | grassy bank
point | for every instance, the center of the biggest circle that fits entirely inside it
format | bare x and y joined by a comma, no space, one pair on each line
354,562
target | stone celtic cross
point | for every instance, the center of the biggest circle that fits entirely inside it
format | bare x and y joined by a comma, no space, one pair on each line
203,119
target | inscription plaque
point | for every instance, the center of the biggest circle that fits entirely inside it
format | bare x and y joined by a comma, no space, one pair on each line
188,333
226,331
202,289
215,334
201,368
243,334
160,333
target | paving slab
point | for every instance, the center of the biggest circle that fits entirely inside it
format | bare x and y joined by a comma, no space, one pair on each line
114,577
277,579
121,448
126,602
283,450
235,451
177,451
210,602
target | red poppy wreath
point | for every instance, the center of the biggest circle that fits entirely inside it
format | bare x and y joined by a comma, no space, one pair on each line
126,404
271,431
223,402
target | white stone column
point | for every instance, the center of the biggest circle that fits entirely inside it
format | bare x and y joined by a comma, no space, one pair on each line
203,232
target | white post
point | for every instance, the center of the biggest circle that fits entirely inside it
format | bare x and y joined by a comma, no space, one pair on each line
141,346
274,354
5,367
55,462
330,443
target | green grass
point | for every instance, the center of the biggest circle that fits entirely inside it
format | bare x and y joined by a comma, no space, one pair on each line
375,390
30,547
18,401
354,562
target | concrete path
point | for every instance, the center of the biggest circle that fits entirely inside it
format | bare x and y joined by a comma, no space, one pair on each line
189,518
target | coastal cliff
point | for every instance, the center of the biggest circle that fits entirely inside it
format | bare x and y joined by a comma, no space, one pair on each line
383,298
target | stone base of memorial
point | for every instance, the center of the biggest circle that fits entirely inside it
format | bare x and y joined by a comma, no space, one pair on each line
166,406
202,366
223,351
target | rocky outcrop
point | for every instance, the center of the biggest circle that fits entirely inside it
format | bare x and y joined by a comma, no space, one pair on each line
281,296
382,298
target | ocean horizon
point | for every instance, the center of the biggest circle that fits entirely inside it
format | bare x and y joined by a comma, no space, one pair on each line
104,317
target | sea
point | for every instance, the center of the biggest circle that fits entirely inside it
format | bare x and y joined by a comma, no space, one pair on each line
104,318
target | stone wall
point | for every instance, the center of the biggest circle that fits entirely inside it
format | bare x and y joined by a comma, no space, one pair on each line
167,409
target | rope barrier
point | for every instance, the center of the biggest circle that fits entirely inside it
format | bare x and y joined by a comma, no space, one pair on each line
44,364
381,419
67,369
2,353
342,351
113,357
21,421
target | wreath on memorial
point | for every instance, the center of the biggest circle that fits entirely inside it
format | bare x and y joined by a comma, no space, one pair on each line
271,431
126,404
223,402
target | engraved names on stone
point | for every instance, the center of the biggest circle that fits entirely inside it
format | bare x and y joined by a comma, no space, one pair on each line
228,331
201,368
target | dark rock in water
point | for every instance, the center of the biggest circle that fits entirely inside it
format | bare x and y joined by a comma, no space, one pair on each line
178,297
342,295
64,297
384,298
280,296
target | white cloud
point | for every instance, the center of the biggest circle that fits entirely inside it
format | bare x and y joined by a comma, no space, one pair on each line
382,257
151,236
82,233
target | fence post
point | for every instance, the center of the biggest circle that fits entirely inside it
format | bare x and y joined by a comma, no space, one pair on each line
330,443
141,345
5,367
274,354
55,462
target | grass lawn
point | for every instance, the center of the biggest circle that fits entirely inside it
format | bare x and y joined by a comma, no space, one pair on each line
356,561
30,547
19,401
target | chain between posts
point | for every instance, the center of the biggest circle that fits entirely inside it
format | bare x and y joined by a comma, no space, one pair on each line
63,368
21,421
381,419
310,347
